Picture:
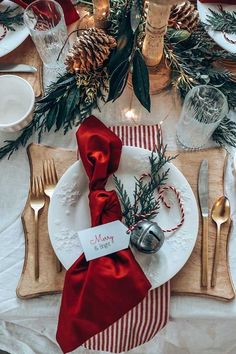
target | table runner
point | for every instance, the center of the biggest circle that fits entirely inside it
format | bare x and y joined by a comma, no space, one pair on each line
143,322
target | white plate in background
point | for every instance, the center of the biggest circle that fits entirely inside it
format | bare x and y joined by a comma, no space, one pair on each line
217,36
12,39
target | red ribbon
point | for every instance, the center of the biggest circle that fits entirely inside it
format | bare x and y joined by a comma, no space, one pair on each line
69,10
97,293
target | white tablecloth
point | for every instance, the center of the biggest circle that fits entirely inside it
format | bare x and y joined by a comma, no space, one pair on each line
197,325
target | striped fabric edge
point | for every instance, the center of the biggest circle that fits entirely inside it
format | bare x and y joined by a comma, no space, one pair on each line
143,136
136,327
146,319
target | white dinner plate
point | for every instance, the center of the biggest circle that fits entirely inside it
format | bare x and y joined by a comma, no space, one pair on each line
12,39
69,212
217,36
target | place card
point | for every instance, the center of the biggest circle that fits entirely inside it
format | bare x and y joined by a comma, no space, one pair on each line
104,239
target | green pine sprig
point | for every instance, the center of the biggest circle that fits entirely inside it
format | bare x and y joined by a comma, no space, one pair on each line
10,18
225,134
193,62
192,59
222,20
67,102
145,189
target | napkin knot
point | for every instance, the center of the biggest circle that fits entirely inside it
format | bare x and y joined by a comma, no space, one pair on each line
104,206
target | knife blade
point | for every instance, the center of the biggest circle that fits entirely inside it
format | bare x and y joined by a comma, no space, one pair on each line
203,195
17,68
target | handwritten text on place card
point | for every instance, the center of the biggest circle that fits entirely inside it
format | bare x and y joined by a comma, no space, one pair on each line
104,239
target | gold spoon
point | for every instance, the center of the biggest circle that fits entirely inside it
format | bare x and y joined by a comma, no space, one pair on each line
220,213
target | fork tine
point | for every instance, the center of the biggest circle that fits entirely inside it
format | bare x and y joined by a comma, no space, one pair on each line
45,172
37,186
40,182
33,186
53,172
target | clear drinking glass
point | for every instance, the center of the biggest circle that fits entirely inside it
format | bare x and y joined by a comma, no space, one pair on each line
46,23
203,109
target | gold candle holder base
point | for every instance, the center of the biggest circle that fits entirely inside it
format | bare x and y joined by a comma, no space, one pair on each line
159,77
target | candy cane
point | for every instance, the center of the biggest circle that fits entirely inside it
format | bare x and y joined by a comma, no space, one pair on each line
181,207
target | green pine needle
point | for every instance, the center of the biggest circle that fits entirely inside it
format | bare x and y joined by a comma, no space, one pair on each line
10,18
223,21
67,102
145,190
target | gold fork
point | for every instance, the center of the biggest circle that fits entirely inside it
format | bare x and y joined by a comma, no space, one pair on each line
37,201
50,182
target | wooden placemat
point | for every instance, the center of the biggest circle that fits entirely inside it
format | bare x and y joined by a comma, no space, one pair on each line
49,282
187,281
26,53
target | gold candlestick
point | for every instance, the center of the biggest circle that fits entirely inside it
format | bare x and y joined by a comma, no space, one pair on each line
101,9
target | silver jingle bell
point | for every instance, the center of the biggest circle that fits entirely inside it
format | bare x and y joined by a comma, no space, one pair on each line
147,236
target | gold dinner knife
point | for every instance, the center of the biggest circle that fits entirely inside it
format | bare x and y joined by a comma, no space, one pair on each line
203,200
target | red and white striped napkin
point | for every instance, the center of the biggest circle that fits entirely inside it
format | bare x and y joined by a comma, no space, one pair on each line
144,321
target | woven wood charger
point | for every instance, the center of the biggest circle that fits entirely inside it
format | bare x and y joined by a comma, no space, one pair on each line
26,53
187,281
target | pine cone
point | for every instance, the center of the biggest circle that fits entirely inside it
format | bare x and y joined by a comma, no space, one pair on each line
184,16
89,51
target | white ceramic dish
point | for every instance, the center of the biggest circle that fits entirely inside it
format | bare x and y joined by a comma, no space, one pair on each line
16,101
217,36
10,40
69,212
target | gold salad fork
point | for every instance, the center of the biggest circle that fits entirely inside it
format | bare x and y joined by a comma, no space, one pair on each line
37,201
50,182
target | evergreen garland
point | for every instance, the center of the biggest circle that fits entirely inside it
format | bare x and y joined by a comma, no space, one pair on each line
67,103
193,61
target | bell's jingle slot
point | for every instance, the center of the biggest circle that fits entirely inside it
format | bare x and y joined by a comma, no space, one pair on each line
147,236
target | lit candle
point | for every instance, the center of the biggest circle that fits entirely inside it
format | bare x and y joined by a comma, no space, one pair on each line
101,9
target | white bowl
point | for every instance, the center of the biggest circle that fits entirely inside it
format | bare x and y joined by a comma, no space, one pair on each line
16,103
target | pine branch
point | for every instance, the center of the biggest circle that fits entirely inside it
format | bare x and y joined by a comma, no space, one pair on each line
9,18
124,199
225,133
67,103
145,203
193,63
224,21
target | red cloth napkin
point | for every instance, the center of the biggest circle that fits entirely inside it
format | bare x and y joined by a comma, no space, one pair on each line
70,13
230,2
99,292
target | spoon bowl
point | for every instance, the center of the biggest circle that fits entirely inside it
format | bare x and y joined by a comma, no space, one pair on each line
221,210
220,213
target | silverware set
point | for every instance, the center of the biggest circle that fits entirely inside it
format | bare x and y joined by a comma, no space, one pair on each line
220,214
41,188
